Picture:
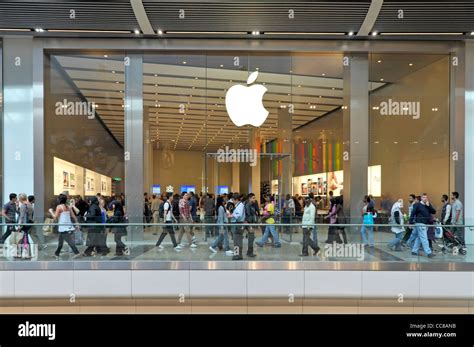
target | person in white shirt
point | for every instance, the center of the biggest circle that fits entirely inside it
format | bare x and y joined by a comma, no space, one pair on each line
457,217
445,210
308,225
169,218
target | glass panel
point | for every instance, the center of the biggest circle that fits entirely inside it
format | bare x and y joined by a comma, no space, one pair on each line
409,145
84,148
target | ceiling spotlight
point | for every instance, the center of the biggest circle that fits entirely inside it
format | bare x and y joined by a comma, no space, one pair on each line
113,71
255,32
39,30
350,33
106,56
160,32
411,64
117,82
379,61
136,32
221,65
472,32
381,79
156,75
184,63
374,33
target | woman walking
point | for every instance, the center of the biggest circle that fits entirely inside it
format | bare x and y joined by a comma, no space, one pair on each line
65,215
396,217
308,225
120,230
368,215
222,220
268,216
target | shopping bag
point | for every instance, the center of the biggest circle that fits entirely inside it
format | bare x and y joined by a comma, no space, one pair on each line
439,232
78,237
26,249
10,249
48,225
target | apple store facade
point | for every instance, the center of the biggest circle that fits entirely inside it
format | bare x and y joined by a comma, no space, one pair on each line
340,117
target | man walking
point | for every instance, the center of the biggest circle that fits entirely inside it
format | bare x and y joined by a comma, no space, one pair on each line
457,218
10,210
420,216
250,218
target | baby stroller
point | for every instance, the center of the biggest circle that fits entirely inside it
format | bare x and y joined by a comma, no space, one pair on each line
451,243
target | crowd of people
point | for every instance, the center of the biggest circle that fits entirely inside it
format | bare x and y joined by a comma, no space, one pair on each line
228,218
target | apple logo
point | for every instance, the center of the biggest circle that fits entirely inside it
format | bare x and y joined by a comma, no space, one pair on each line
244,104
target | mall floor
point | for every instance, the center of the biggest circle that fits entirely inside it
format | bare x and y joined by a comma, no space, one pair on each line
289,251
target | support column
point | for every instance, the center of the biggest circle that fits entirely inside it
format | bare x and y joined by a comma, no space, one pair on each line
18,123
134,143
469,141
147,153
355,133
254,177
285,136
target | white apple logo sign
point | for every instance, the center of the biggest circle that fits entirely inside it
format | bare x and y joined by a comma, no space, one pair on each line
244,104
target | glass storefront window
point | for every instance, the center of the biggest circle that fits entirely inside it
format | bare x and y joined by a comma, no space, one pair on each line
409,126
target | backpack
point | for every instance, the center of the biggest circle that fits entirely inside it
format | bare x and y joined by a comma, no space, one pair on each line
161,210
175,206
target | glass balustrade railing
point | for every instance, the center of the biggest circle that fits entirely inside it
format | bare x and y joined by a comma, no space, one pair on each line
262,241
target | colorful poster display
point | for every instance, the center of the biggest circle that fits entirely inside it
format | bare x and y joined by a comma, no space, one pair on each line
323,183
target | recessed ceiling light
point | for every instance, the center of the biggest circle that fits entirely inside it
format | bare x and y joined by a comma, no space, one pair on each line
411,64
106,56
39,30
160,32
350,33
323,74
379,61
221,65
156,75
136,31
381,79
374,33
113,71
184,63
299,85
117,82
